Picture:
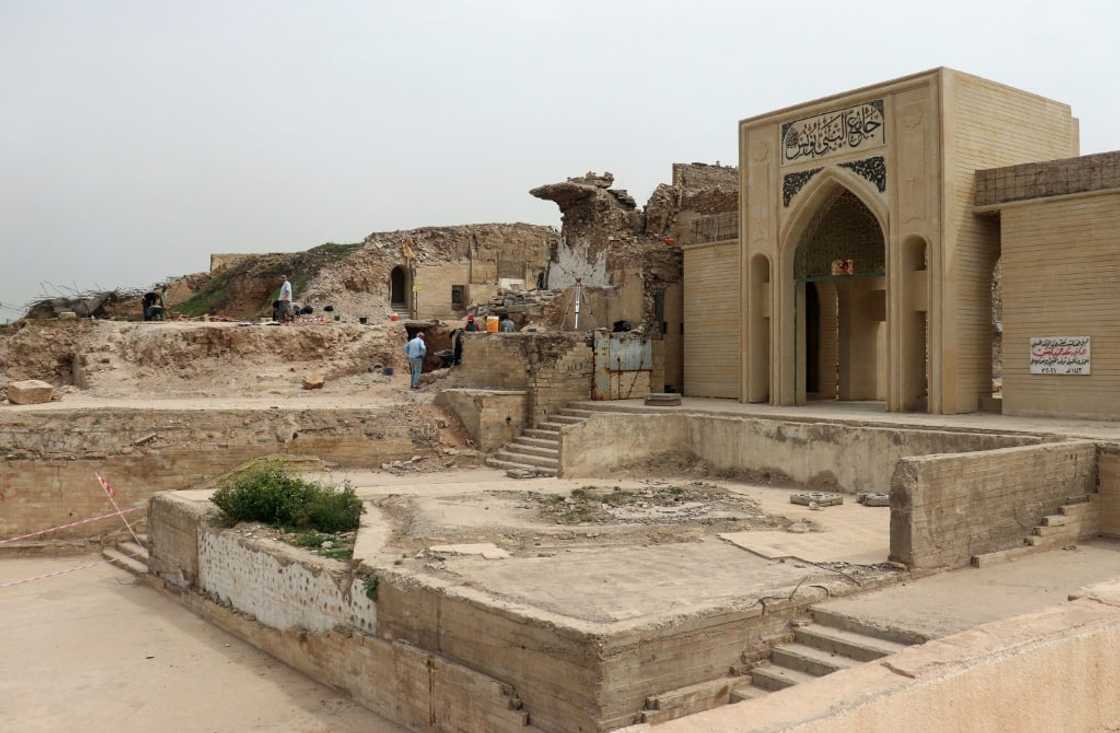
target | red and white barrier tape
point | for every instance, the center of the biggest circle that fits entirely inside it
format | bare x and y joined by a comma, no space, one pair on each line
21,581
98,518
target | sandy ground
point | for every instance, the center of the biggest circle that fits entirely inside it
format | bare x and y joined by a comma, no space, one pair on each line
955,601
95,650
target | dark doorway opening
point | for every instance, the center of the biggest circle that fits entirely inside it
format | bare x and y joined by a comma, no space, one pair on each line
398,289
812,339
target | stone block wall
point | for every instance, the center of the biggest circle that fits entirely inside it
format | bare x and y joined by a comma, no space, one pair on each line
554,368
711,320
947,508
1048,178
491,417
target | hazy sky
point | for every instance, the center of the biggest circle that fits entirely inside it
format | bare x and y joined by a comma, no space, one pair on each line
138,137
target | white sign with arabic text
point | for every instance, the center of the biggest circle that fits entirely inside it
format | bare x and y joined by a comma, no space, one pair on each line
1060,354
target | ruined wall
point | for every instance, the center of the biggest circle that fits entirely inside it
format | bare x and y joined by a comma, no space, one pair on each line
555,368
491,417
692,176
947,508
49,458
1109,478
819,455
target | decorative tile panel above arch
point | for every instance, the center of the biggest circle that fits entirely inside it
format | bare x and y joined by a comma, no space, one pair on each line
873,169
794,182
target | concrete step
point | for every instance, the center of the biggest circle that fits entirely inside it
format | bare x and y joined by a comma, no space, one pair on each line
536,450
553,435
1054,520
576,412
133,550
510,453
743,693
773,678
143,539
1076,510
123,561
808,659
1081,499
506,465
550,427
845,643
1051,542
539,442
1065,530
1002,556
827,617
688,700
565,419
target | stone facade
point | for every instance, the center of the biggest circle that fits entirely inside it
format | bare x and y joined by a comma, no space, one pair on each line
908,150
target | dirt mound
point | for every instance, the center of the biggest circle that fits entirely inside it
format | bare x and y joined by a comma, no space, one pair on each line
44,350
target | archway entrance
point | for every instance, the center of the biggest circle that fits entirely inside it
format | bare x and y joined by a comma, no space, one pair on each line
839,273
398,290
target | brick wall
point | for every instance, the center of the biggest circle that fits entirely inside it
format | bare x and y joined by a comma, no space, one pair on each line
1061,266
947,508
1109,486
711,320
988,125
705,175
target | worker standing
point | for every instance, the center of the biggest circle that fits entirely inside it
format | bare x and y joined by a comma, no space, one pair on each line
415,351
285,300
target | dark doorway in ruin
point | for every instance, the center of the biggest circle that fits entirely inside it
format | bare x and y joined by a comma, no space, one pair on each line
398,289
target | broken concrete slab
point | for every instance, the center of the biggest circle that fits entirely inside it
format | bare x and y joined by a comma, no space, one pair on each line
488,550
820,498
30,392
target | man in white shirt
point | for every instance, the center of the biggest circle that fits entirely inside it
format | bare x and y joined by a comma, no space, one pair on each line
415,351
285,300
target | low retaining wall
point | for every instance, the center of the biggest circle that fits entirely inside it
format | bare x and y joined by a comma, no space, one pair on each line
491,417
1109,478
947,508
1055,670
820,455
48,459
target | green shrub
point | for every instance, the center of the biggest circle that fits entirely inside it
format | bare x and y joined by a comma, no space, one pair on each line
267,492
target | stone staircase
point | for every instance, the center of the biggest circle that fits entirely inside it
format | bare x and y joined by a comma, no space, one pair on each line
128,555
538,448
830,643
1074,520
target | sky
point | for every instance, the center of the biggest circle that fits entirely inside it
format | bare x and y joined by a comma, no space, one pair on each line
138,137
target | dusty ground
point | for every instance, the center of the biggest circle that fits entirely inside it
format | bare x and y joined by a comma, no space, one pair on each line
95,650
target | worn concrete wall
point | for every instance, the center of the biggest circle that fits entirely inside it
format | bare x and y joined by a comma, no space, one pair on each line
1048,178
432,289
819,455
491,417
1108,476
50,457
1060,268
272,581
711,320
947,508
1055,670
174,524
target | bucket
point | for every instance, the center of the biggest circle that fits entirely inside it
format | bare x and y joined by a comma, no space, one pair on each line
491,324
387,371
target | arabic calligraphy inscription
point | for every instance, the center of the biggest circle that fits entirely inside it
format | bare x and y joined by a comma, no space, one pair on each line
1060,354
855,128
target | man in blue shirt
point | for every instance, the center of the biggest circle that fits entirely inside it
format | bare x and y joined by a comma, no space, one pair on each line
415,350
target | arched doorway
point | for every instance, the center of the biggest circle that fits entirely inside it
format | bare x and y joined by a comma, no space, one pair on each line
398,289
839,273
